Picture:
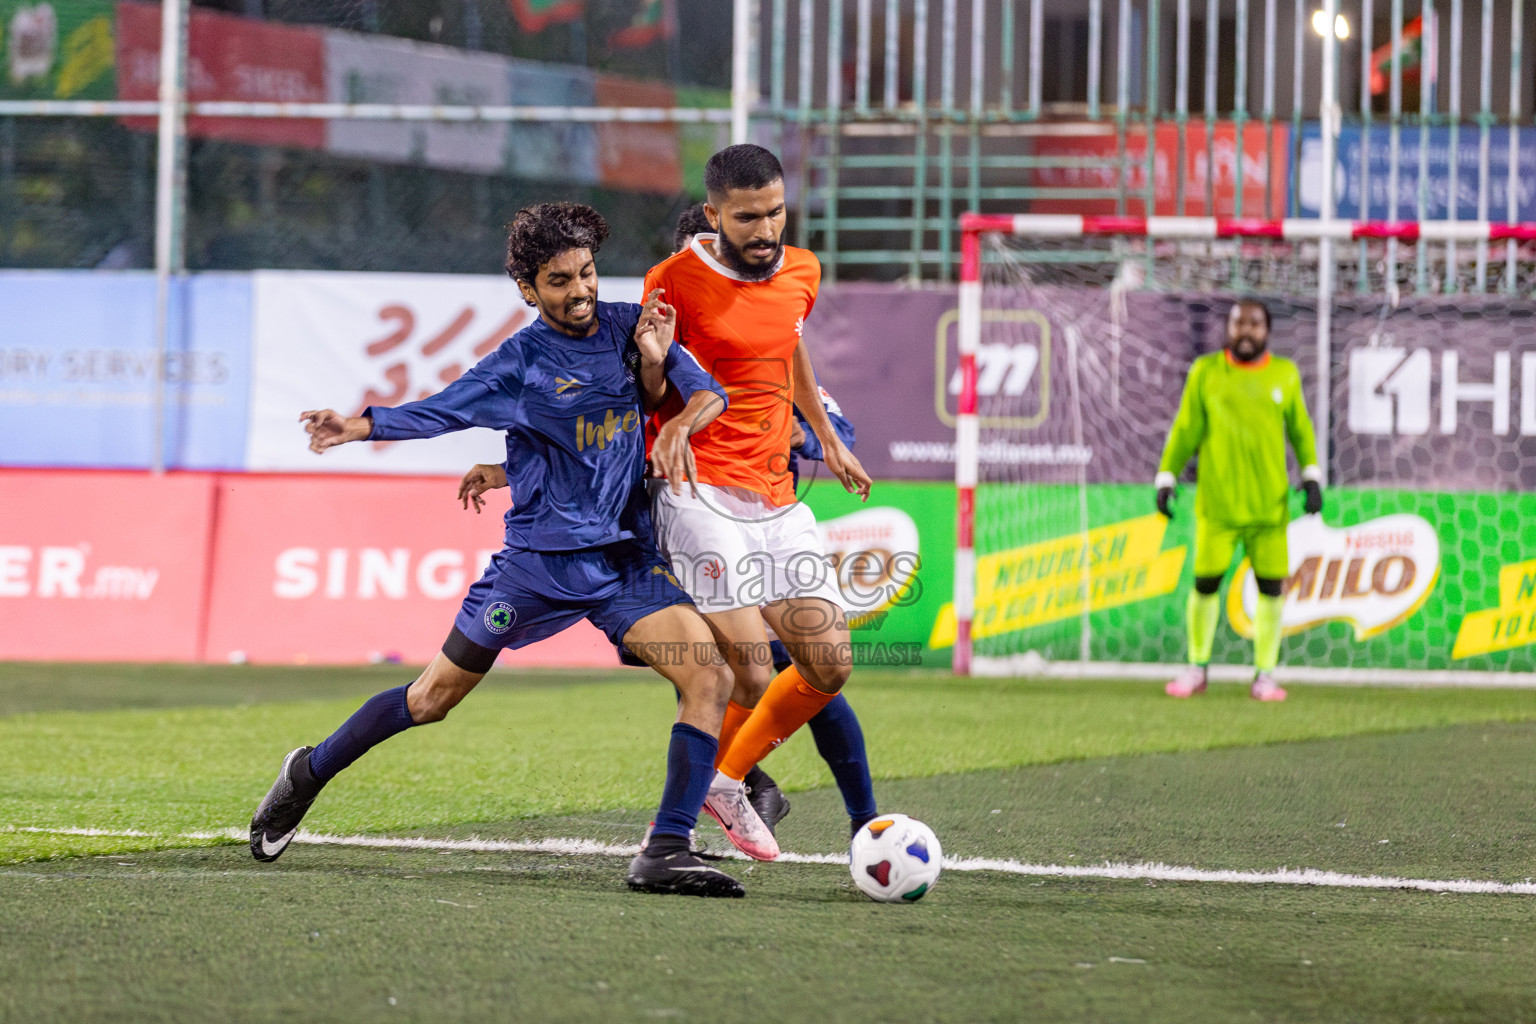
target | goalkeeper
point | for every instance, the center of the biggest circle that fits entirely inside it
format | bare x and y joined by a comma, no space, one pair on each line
1240,405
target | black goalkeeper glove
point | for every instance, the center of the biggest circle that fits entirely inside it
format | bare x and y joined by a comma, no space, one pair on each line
1165,501
1314,500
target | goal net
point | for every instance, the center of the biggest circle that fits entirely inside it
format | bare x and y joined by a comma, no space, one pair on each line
1416,345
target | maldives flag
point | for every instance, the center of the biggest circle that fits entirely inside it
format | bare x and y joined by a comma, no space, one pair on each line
652,22
1411,56
537,15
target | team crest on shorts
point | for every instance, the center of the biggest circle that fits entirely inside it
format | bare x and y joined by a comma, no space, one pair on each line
499,617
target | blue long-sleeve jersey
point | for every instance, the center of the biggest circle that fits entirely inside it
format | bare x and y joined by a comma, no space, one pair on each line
571,409
810,448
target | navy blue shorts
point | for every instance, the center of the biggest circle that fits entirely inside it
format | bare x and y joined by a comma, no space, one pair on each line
528,596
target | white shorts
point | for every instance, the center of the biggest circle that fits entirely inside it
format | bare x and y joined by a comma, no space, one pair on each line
730,548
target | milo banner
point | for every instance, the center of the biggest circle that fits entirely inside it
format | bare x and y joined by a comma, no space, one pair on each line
895,563
1434,393
1384,579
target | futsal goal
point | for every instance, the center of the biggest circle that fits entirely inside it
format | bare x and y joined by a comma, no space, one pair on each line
1416,344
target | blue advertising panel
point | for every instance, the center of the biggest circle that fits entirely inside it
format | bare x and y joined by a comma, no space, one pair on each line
78,364
1365,196
552,150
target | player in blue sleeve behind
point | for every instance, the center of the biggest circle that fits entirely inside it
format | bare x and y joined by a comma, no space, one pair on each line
571,391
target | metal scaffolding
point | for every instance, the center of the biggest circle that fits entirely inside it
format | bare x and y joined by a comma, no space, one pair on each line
894,117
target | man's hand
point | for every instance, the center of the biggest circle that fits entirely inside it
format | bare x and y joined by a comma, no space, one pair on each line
1165,501
655,330
1314,500
328,428
672,456
845,467
485,476
796,435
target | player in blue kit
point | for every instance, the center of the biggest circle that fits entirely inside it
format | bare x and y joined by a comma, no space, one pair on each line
571,391
839,737
835,729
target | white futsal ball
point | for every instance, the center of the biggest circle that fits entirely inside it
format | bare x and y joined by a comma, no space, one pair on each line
895,859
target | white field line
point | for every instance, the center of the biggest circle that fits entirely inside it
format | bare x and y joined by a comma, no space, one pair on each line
127,833
1144,871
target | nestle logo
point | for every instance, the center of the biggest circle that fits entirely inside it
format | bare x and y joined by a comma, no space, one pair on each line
1372,541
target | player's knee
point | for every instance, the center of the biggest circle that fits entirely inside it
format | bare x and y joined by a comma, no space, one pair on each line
750,680
430,699
828,675
429,713
706,688
1207,584
710,681
720,684
431,705
1270,587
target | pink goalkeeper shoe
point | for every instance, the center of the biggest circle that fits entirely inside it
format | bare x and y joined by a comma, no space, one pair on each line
1265,688
1187,683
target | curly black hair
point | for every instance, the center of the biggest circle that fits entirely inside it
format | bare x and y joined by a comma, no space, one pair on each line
539,233
692,222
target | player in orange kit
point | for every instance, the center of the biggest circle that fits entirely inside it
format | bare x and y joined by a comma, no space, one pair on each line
743,546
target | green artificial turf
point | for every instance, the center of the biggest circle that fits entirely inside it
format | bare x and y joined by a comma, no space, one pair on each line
343,934
553,744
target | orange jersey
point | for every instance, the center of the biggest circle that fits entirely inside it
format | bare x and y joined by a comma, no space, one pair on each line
745,334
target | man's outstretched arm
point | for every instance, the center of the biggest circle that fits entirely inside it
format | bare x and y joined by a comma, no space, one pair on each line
486,396
328,428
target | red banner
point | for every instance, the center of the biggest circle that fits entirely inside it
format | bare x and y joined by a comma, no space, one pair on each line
99,566
229,58
106,566
537,15
638,157
1265,159
343,570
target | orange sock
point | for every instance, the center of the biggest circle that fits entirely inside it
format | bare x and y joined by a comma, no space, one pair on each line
789,703
735,717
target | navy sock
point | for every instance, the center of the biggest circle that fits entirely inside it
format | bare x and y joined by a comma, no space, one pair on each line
690,770
840,741
380,717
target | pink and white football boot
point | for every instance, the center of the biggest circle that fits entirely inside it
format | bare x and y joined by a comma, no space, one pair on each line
1265,688
727,803
1189,681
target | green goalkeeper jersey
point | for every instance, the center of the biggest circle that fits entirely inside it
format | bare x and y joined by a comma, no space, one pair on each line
1237,417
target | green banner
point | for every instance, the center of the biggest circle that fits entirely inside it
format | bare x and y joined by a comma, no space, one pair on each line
696,143
61,50
1387,579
